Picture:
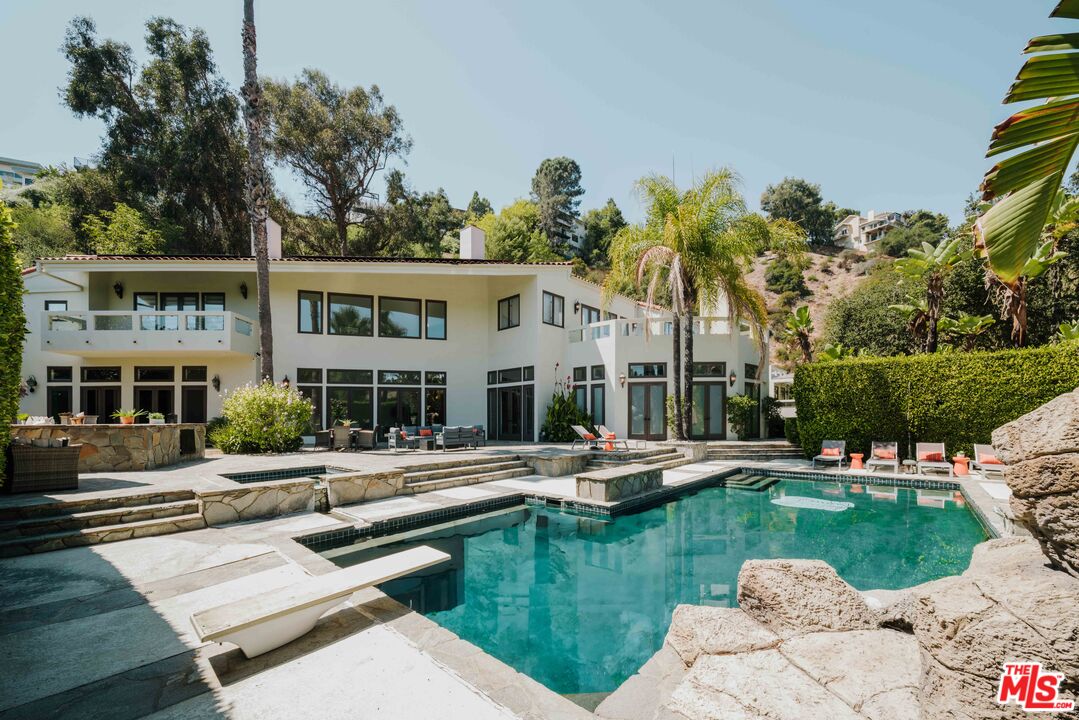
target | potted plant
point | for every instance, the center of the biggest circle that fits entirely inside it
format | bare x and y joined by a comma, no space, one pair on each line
344,422
22,418
127,417
65,418
156,418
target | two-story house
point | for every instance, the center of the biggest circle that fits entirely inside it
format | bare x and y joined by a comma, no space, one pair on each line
380,341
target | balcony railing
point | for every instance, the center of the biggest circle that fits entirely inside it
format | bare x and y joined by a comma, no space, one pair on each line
105,331
642,327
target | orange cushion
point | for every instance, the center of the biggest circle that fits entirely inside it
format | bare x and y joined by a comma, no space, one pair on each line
609,436
426,432
884,454
990,460
589,436
830,452
404,435
931,456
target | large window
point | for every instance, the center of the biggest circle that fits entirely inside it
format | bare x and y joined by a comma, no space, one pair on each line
705,369
155,373
554,309
399,317
436,319
309,312
647,370
398,377
351,314
350,403
309,376
599,404
589,315
55,373
349,377
211,302
509,312
100,374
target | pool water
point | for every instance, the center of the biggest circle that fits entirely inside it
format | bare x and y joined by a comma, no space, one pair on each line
580,604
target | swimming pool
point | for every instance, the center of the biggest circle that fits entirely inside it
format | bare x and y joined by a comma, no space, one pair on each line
579,604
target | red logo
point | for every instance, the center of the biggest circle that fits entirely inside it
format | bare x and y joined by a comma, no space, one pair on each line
1031,688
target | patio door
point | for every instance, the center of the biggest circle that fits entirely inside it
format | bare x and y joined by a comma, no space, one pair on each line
709,411
648,411
398,407
100,401
155,400
753,390
193,403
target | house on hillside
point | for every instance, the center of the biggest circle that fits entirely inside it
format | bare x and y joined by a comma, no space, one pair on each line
859,233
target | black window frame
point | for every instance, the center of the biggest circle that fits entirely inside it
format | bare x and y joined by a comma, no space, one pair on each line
598,372
643,375
167,377
135,301
592,312
562,311
403,378
321,312
509,304
329,313
580,374
511,376
304,379
366,377
419,315
83,373
528,373
202,301
427,319
601,388
53,378
49,303
710,369
185,376
430,377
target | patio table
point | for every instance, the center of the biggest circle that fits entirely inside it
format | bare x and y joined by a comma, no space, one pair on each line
856,460
961,465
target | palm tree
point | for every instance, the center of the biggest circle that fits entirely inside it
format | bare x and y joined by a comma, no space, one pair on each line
931,264
257,190
966,328
694,248
799,329
1027,182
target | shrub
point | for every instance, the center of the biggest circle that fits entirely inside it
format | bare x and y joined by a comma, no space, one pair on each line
263,418
954,398
740,411
783,276
12,328
773,421
562,412
790,430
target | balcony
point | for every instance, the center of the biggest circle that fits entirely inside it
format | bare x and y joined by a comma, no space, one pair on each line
646,327
110,333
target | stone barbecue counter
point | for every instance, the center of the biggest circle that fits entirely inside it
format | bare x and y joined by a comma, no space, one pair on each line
124,447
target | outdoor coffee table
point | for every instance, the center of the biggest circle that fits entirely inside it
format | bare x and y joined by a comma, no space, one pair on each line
425,442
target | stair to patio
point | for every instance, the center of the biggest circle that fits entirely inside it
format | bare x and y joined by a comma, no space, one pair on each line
663,458
753,483
755,450
42,527
456,473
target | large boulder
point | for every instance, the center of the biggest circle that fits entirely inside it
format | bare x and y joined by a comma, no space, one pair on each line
795,597
1052,429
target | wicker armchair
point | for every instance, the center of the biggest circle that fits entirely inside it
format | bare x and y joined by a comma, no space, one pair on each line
42,469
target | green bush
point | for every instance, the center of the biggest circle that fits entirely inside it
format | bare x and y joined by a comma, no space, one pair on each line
740,411
783,276
773,421
263,418
790,430
12,328
562,412
955,398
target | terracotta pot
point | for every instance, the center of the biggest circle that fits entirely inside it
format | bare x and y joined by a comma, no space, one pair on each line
127,421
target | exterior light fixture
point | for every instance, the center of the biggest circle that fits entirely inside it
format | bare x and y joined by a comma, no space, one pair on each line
118,288
576,306
286,382
733,378
243,290
622,379
31,383
216,382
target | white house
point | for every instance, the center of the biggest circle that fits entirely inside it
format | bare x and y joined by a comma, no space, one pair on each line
381,341
857,232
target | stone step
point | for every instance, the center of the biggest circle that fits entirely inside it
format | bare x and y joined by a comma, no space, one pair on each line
615,459
452,462
462,470
750,444
95,518
46,542
445,483
81,505
755,455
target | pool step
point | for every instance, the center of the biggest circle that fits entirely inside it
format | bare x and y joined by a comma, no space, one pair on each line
48,524
753,483
460,469
473,479
45,542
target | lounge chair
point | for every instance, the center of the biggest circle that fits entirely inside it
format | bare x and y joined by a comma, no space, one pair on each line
610,440
931,456
586,439
398,439
479,435
884,454
985,459
832,451
455,436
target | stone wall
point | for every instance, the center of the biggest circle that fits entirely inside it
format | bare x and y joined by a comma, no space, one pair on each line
695,451
257,500
121,447
364,486
1041,450
618,483
557,463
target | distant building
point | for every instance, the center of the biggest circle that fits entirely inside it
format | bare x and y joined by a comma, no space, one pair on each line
15,173
857,232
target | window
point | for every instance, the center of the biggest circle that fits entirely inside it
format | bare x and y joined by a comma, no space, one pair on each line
351,314
180,301
492,377
529,373
310,312
193,373
599,404
554,309
589,315
164,373
709,369
647,370
58,374
580,396
434,405
310,376
751,373
435,378
509,312
399,317
609,316
436,319
510,375
145,302
55,305
58,400
100,374
314,394
211,302
785,392
398,377
350,377
579,374
351,403
598,372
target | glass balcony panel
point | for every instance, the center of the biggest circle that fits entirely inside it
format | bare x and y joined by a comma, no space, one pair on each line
112,322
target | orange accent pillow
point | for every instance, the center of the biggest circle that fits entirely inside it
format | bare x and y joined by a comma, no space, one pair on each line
609,436
931,457
990,460
404,435
830,452
426,432
884,454
589,436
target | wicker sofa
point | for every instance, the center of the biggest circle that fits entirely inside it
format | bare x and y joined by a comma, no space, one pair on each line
42,469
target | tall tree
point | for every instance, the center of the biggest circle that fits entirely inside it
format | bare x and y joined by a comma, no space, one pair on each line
257,188
12,327
600,227
172,133
556,190
798,330
918,226
800,201
931,264
479,206
410,223
514,234
337,140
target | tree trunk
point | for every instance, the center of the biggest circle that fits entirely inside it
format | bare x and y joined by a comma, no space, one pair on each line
1019,312
807,348
687,375
340,221
677,336
933,297
257,190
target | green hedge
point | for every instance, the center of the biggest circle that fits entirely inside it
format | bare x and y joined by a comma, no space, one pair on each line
954,398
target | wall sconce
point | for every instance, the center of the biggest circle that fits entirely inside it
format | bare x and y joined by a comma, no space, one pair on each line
622,379
216,382
286,382
243,290
31,383
118,288
733,378
576,307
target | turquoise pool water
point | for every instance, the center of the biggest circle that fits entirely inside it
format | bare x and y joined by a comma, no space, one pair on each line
580,604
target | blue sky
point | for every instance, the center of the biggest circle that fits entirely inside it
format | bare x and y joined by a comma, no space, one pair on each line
885,105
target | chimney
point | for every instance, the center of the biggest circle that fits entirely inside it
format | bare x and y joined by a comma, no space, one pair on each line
273,240
473,243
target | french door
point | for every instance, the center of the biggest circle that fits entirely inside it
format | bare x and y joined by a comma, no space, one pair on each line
155,400
648,411
398,407
753,390
709,411
193,403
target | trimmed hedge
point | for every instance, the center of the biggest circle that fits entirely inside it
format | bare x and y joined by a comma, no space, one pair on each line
954,398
